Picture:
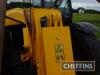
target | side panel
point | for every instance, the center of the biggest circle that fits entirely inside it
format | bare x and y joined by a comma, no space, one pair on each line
57,49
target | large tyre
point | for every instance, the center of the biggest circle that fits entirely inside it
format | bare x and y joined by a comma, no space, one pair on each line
86,47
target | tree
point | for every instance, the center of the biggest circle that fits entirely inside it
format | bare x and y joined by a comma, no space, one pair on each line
98,1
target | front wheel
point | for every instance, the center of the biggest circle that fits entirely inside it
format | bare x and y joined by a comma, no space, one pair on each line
86,47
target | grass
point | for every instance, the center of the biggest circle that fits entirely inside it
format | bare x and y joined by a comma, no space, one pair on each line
92,18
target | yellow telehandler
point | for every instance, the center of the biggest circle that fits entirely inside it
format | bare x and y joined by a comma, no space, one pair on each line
40,38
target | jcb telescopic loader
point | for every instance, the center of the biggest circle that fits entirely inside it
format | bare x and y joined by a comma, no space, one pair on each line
40,38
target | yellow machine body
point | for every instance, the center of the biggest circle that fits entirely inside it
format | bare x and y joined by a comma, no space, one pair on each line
17,14
49,46
57,49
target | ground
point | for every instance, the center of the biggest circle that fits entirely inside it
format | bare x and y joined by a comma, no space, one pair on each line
92,18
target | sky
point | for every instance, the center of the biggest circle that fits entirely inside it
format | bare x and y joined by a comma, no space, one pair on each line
80,1
15,0
87,4
84,1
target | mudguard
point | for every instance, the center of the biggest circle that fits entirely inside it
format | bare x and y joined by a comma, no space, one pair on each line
85,27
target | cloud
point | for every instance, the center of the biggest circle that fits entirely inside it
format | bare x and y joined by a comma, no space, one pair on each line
14,0
87,4
95,6
85,1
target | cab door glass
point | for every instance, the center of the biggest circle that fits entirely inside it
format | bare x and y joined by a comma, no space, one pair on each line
36,2
64,7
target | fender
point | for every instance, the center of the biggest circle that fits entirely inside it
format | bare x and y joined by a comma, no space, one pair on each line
85,27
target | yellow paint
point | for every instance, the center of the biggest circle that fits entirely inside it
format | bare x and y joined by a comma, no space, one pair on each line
17,14
50,41
38,45
26,37
56,17
45,41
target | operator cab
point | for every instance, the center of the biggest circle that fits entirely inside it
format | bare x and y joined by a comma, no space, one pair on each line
63,5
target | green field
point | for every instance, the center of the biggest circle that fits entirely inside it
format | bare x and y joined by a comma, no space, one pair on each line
92,18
